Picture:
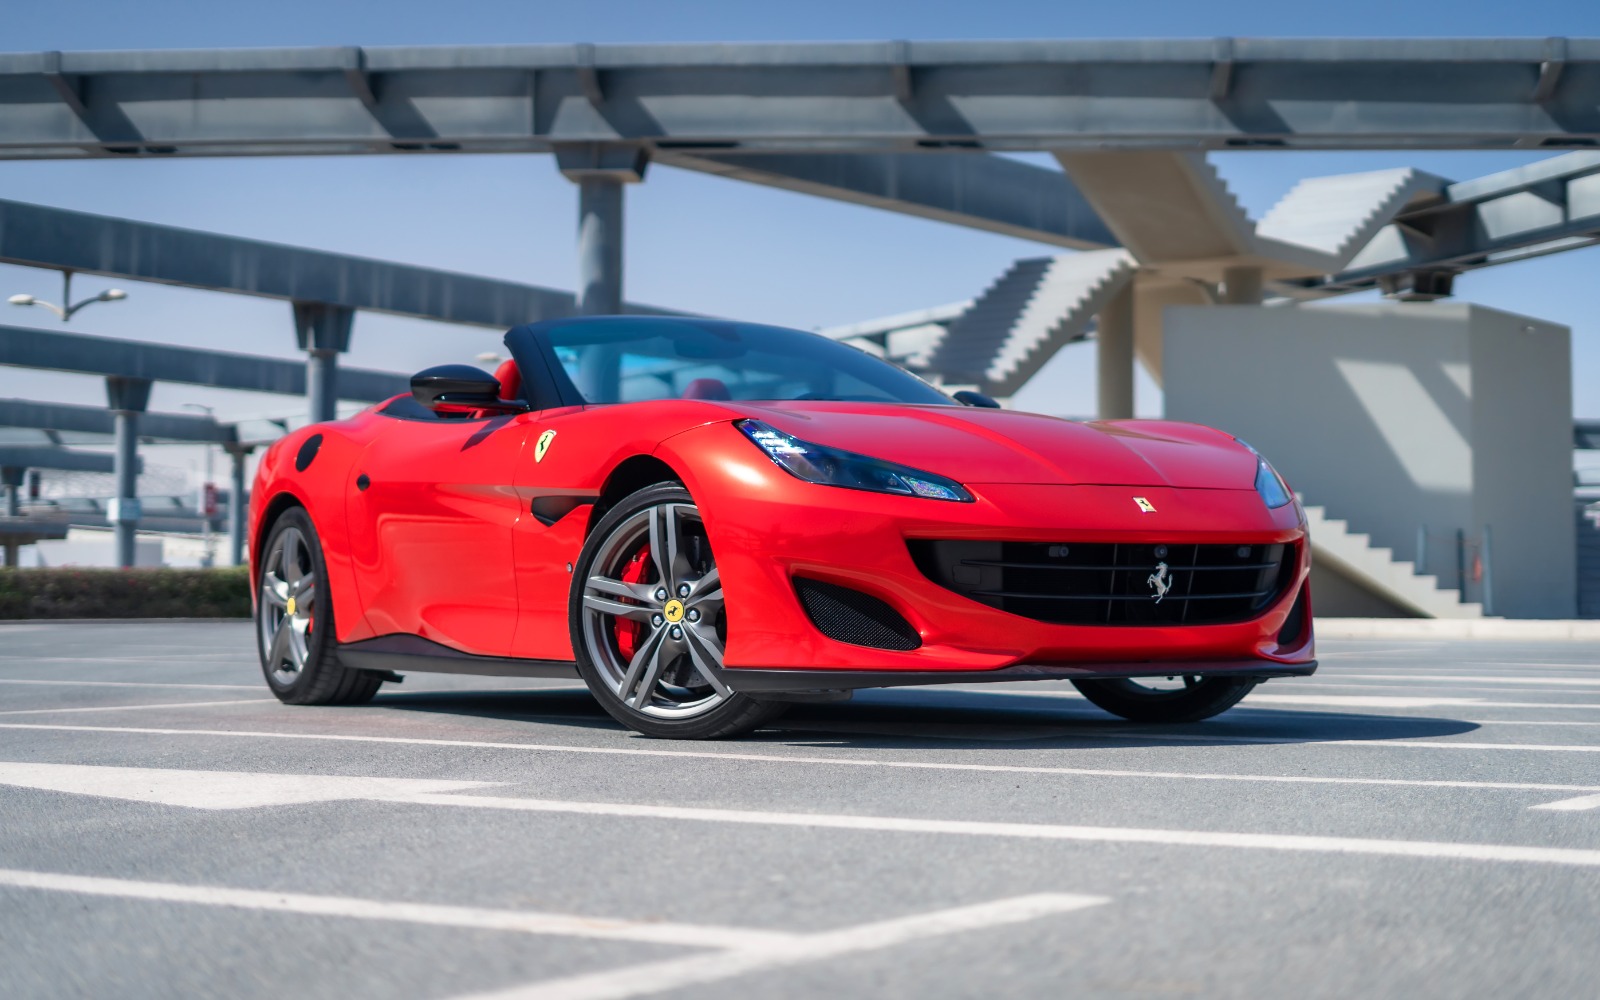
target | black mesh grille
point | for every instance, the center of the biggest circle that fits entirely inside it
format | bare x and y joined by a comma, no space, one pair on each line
851,616
1112,583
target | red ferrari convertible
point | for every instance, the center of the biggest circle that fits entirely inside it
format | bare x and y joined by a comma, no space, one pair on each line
707,521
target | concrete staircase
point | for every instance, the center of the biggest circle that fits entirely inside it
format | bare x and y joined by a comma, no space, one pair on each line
1031,311
1353,555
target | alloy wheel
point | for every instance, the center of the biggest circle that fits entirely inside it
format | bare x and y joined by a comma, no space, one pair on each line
286,613
652,614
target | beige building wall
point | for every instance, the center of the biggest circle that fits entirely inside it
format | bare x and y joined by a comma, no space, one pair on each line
1395,417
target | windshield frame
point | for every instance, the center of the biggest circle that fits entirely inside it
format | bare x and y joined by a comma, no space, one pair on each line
534,349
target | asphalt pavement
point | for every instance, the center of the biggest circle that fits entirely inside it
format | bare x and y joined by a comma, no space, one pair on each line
1419,819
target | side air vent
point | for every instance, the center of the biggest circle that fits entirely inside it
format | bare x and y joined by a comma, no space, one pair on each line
851,616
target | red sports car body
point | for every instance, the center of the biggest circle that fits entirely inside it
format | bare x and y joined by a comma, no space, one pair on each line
708,520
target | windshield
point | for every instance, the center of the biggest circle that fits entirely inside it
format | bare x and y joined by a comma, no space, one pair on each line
628,360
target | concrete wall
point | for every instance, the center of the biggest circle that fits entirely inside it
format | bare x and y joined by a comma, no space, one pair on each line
1395,416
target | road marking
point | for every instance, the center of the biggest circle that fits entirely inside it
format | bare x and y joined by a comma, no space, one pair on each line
1472,679
241,790
217,789
1414,685
840,761
133,684
1356,701
1580,804
129,708
477,918
657,977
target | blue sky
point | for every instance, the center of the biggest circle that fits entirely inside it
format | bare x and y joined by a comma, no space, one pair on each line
694,242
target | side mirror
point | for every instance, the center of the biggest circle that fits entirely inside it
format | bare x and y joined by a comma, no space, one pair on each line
461,389
969,397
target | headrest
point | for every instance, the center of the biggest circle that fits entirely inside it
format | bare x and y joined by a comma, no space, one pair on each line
510,380
707,388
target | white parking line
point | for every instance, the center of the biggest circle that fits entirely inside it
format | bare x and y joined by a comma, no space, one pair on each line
131,684
130,708
912,765
1580,804
476,918
204,789
1475,679
657,977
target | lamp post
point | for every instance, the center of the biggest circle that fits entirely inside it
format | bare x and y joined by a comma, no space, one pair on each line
208,491
68,308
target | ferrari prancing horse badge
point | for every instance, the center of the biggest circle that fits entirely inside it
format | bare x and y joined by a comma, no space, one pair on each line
1145,505
543,445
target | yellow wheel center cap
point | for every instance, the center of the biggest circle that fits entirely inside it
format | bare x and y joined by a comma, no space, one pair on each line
289,608
673,612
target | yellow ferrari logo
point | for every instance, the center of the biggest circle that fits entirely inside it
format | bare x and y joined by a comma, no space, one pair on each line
289,608
673,612
543,445
1145,505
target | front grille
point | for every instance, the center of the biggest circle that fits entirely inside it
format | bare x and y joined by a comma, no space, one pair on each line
851,616
1112,583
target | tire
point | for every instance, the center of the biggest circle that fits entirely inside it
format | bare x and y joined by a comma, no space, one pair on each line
1198,698
294,621
648,627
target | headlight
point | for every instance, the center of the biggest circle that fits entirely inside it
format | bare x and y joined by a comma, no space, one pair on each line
1274,491
817,463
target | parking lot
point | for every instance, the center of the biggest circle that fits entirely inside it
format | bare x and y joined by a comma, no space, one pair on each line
1419,818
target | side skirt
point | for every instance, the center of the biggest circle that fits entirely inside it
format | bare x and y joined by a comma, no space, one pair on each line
402,653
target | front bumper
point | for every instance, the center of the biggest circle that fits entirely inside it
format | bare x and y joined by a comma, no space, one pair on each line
769,527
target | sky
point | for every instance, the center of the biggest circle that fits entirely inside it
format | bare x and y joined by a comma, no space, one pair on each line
693,242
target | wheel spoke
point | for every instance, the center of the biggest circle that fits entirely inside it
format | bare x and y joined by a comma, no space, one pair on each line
664,542
296,627
290,559
706,653
643,671
605,605
618,588
279,653
707,589
274,591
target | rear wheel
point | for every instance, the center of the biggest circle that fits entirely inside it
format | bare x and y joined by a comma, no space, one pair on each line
648,622
1171,699
294,621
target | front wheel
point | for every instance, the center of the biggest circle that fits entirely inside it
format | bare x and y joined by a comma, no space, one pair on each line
648,623
294,621
1172,699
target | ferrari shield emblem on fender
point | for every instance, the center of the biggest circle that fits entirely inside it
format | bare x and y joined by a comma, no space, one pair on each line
1160,582
543,445
1145,505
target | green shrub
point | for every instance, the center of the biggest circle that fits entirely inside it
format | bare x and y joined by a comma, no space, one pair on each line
125,593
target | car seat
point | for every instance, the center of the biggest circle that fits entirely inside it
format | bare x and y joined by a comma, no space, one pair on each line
707,388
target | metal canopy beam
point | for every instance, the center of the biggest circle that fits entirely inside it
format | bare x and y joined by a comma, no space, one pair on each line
977,190
1485,93
39,236
96,420
26,347
56,458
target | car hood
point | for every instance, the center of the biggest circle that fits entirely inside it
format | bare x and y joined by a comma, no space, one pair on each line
974,445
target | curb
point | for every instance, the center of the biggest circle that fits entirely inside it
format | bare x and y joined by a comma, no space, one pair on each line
1502,629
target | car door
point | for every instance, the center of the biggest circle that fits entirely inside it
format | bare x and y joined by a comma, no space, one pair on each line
433,509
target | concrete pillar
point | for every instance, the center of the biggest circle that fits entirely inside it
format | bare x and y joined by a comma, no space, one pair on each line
599,246
324,333
11,480
127,398
1114,343
600,170
236,507
1241,286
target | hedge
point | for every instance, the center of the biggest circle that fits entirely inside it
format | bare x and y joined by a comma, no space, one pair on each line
125,593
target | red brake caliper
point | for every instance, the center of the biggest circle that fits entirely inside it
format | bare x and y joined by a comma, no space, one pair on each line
630,633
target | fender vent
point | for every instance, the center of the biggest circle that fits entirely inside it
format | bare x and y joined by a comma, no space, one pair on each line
851,616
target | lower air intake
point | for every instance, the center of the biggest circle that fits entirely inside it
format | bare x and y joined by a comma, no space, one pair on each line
851,616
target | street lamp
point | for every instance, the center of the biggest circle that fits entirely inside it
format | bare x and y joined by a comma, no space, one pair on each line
208,491
66,312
